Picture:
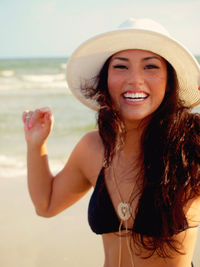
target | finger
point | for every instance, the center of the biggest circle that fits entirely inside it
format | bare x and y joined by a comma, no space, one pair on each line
34,117
26,116
39,115
45,109
27,113
48,120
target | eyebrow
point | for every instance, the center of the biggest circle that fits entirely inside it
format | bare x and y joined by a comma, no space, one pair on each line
153,57
121,58
144,59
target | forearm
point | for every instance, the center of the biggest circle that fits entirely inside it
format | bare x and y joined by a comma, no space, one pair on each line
39,177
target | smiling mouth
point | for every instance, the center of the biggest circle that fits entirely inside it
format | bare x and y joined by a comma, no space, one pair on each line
140,96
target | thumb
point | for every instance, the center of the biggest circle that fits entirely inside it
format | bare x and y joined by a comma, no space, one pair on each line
48,119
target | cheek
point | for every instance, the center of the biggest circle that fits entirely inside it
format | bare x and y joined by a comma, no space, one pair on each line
113,86
160,85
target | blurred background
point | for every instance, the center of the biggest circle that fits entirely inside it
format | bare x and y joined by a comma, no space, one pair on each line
36,39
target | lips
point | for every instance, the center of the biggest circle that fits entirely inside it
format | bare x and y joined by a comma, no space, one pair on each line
135,96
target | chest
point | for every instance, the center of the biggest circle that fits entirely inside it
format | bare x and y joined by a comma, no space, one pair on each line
123,190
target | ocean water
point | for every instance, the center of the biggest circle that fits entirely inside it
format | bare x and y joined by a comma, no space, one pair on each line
27,84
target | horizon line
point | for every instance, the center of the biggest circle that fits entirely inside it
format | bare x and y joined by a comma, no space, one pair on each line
48,57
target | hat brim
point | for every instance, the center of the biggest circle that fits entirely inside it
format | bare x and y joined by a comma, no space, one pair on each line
87,60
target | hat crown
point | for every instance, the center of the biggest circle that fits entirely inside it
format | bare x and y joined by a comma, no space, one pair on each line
144,24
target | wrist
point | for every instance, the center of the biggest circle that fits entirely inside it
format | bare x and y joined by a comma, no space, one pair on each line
40,149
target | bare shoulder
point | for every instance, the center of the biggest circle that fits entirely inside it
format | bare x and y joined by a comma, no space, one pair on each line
89,155
93,140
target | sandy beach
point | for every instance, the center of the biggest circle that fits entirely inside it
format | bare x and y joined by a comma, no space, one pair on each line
31,241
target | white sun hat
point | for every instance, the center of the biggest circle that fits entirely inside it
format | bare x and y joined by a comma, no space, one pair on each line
145,34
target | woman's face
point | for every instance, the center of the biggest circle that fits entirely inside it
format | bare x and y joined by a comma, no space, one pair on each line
137,81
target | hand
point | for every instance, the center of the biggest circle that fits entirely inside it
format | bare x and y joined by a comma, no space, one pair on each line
37,125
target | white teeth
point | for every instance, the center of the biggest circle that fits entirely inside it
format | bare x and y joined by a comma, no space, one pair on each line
135,96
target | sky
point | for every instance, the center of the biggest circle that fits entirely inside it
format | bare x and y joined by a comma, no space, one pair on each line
50,28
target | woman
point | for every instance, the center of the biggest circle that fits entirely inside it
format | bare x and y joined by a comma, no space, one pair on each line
145,166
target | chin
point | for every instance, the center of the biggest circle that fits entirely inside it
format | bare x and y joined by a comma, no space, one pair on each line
136,120
135,117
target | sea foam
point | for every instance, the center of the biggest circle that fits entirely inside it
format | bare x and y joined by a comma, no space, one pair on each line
11,167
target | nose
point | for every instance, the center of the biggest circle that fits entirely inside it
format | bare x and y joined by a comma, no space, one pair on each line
135,77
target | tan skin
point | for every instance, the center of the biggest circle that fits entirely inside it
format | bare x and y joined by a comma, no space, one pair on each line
130,71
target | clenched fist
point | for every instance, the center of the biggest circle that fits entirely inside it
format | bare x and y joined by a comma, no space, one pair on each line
37,125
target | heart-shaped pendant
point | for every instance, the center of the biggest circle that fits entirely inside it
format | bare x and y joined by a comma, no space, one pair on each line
124,211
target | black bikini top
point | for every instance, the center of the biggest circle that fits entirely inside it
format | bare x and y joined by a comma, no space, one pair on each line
103,219
101,213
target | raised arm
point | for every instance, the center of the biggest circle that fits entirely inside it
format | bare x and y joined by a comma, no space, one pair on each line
50,194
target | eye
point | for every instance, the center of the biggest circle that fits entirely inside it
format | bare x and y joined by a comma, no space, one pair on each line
120,66
151,66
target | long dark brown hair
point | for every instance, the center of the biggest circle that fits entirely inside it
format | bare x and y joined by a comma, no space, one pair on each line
170,168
